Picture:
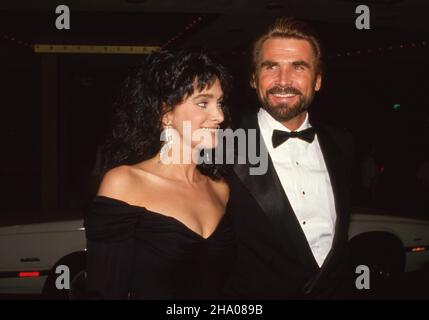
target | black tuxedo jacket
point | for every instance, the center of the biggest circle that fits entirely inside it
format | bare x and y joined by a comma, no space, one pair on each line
274,260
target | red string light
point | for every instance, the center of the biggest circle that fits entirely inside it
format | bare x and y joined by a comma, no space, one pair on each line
16,41
180,34
192,24
401,46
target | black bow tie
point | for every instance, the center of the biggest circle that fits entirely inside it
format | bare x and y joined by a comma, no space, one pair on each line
281,136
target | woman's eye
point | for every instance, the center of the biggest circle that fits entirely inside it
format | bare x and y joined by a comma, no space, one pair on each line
202,104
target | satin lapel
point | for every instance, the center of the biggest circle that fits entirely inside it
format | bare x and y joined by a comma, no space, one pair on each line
337,169
336,166
268,192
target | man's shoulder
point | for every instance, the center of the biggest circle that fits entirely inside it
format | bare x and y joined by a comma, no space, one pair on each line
337,132
341,136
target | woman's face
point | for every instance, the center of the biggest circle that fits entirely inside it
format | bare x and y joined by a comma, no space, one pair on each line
198,117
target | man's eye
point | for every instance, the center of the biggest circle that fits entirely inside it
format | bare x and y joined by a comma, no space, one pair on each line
202,104
299,67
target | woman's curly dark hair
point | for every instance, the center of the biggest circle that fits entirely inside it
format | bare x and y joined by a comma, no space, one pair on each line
161,82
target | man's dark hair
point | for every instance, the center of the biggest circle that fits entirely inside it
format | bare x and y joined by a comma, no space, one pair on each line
288,28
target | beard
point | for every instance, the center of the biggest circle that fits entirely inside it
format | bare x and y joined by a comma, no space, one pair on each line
286,111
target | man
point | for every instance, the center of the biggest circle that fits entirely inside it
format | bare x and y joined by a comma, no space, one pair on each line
291,222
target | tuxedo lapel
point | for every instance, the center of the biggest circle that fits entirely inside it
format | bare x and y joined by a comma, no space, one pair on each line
269,194
336,167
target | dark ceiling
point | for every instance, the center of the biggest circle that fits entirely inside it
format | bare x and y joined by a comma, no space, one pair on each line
218,25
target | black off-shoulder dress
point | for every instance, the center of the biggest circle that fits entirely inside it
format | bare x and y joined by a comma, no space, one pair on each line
135,253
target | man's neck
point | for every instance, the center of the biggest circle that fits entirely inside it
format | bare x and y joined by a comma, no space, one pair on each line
296,122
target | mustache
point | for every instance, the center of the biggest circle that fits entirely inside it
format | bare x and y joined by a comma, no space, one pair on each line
284,90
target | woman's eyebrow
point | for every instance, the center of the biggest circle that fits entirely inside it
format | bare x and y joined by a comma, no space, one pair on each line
204,95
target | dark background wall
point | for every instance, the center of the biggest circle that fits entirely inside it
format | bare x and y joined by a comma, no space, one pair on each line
70,95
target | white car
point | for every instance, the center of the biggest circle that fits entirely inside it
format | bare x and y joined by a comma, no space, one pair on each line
389,243
31,253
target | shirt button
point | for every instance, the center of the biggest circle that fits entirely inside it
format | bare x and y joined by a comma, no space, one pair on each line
303,222
297,163
303,193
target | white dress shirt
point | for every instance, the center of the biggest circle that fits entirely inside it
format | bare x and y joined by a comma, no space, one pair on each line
301,169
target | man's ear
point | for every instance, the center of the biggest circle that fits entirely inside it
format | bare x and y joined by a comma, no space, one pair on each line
318,83
252,80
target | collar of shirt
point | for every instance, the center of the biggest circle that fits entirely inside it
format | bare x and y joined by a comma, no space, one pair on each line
267,124
302,172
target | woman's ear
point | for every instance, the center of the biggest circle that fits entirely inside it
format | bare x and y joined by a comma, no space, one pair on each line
167,116
166,119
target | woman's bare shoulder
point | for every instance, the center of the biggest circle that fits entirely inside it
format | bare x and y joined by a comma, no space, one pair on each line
121,182
114,182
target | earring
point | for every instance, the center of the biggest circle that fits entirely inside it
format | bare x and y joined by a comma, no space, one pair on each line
207,157
167,136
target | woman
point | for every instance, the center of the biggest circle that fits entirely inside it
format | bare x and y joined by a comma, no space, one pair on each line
158,228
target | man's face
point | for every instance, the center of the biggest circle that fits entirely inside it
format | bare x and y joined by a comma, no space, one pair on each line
285,79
